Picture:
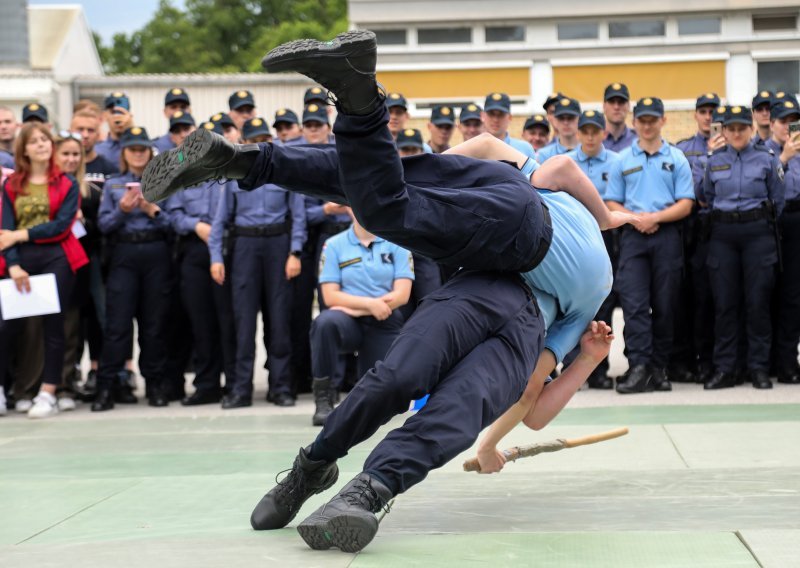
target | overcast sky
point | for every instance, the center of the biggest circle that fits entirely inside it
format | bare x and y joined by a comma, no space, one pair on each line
108,17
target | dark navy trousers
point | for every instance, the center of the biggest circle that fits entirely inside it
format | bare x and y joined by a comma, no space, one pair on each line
789,293
427,278
702,304
647,282
741,262
197,294
139,286
456,211
335,333
471,345
258,282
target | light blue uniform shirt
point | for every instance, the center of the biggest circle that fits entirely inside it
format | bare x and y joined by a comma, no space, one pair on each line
650,183
520,145
554,149
596,168
575,276
363,271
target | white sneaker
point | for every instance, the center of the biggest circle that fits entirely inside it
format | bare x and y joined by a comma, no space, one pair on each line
23,405
45,405
66,403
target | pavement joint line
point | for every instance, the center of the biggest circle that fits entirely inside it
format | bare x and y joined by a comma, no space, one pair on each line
674,445
76,513
741,538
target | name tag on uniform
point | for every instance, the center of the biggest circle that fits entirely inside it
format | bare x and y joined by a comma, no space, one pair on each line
667,166
632,171
605,176
692,153
350,262
720,168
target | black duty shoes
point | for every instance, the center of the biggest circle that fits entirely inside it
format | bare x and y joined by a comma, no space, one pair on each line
639,380
323,400
203,156
347,521
720,380
344,65
306,478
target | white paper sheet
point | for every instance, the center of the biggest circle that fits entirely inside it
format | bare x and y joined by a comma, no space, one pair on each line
78,229
40,301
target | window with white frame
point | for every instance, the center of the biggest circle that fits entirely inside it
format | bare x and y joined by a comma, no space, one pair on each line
774,22
697,26
505,33
577,30
444,35
635,28
779,76
391,37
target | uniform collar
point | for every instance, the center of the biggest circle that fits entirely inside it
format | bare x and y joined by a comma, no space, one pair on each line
636,149
353,239
582,157
701,137
625,133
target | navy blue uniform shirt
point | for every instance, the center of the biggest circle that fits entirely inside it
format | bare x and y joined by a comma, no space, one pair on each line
111,218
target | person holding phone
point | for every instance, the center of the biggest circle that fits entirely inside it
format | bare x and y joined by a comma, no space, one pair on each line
139,278
785,142
40,203
119,118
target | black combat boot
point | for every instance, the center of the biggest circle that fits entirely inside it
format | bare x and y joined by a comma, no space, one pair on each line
639,380
203,156
323,401
761,380
721,380
104,399
306,478
123,390
347,521
344,65
660,381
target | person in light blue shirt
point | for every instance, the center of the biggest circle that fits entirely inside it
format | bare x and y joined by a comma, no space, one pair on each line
653,180
496,118
364,280
566,113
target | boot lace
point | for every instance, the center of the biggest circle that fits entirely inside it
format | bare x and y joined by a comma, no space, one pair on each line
293,487
362,493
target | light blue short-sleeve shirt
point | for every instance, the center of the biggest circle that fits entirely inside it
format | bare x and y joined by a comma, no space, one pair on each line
597,168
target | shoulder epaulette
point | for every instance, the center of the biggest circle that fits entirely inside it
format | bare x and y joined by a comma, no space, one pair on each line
764,148
718,150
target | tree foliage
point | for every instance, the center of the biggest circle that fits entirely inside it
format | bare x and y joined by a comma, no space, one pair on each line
211,36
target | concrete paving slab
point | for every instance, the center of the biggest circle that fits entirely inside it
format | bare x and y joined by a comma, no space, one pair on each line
773,548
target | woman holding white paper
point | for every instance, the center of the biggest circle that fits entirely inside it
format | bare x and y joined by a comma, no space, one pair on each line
39,207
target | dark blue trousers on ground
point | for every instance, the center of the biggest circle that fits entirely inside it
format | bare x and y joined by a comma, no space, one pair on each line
742,259
456,211
223,304
647,281
139,285
197,294
789,293
335,333
472,345
702,304
258,282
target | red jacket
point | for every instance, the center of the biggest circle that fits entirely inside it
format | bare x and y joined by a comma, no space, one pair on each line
57,191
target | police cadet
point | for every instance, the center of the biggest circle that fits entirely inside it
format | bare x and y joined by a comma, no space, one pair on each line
470,123
269,224
496,117
692,348
364,280
616,106
440,127
398,115
743,186
549,107
176,100
786,145
117,107
139,278
191,214
226,127
318,96
596,162
761,105
287,125
536,131
653,180
35,112
242,107
566,113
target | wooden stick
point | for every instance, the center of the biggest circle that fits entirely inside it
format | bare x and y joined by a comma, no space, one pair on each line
514,453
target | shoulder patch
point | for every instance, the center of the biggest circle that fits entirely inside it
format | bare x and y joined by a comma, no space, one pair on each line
632,170
684,140
350,262
668,166
780,172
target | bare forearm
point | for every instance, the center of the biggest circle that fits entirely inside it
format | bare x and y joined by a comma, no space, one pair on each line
401,292
559,392
487,147
561,173
338,298
675,212
617,206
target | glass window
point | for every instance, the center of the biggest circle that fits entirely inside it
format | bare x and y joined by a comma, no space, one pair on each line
698,26
774,22
444,35
505,33
779,76
391,37
636,28
579,30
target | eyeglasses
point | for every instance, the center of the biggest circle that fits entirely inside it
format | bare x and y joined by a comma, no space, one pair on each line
67,135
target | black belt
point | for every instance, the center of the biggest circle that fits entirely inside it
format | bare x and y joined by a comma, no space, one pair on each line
261,230
334,228
544,245
140,237
792,206
739,216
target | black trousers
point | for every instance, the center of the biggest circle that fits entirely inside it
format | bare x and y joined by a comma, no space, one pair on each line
789,293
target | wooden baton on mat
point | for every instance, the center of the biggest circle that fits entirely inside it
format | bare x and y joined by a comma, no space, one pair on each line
512,454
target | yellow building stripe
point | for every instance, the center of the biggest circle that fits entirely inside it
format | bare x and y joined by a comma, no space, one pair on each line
667,81
457,82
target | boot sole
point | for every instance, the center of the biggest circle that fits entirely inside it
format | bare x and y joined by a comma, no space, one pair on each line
282,58
162,170
348,533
